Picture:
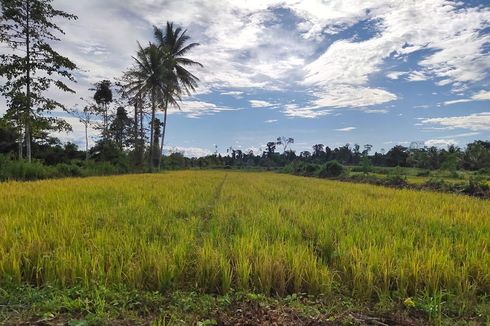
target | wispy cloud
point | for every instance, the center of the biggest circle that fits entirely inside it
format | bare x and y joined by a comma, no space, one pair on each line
260,104
476,122
295,111
187,151
196,109
480,96
395,74
346,129
236,94
382,111
440,142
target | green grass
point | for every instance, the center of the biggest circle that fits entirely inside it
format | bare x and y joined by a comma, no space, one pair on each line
217,232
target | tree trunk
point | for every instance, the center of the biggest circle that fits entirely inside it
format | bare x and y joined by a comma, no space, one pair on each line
163,134
28,86
86,141
28,143
135,125
152,122
142,132
20,135
106,122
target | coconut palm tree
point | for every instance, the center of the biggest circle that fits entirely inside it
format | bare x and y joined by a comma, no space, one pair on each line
146,80
178,80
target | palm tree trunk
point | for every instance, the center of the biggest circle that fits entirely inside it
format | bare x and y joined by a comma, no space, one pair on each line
28,87
136,142
142,133
163,134
86,141
152,122
135,135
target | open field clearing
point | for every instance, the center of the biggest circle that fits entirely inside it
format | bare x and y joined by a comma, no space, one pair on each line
271,234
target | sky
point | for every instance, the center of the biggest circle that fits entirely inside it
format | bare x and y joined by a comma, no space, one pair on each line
380,72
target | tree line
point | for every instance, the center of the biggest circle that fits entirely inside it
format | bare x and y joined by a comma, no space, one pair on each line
475,156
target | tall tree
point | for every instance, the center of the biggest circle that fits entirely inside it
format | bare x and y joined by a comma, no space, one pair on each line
271,148
285,142
121,129
31,66
318,150
177,79
85,116
146,80
103,97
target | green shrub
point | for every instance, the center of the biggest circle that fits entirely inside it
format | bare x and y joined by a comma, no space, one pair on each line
372,179
69,170
436,184
477,186
423,173
310,169
396,178
331,169
366,165
99,168
21,170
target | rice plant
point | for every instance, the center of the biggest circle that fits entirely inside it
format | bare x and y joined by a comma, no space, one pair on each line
216,231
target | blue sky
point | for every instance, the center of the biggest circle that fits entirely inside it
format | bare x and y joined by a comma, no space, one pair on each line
382,72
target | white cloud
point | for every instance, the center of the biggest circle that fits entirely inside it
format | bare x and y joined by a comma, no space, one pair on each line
475,122
270,121
348,96
262,53
440,142
382,111
395,74
480,96
396,142
463,100
196,109
295,111
403,28
462,135
188,151
236,94
416,76
260,104
346,129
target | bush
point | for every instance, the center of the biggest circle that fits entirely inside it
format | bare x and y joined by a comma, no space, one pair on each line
69,170
309,169
396,178
21,170
484,172
366,165
301,168
477,186
99,168
423,173
331,169
372,179
436,184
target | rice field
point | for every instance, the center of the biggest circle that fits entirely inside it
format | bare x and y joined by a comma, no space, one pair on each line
266,233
